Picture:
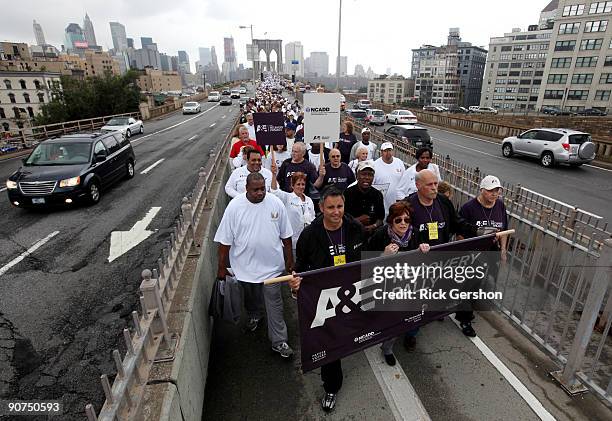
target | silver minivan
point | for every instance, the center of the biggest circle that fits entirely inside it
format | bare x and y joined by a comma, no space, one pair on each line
552,146
375,117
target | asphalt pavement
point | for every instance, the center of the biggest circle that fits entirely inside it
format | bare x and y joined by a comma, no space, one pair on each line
588,187
63,307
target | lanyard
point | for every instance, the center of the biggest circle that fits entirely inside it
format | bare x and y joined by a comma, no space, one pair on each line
335,246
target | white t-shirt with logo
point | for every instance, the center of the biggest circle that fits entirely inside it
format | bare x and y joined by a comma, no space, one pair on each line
279,157
251,130
254,232
236,184
371,147
301,213
386,179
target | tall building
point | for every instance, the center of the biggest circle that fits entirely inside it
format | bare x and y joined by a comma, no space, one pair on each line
515,69
145,41
359,72
391,90
74,37
88,31
120,41
205,57
578,69
426,51
130,42
294,51
472,61
319,63
343,66
229,54
38,34
213,57
183,61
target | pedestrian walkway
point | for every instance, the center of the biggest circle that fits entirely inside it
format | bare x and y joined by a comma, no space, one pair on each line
451,376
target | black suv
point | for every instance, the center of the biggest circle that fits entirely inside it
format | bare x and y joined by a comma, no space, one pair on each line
417,136
71,168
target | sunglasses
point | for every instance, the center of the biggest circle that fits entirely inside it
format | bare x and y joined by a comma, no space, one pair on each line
400,219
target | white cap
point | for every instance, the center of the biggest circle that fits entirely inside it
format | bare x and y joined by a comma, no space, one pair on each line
385,146
490,182
365,164
365,129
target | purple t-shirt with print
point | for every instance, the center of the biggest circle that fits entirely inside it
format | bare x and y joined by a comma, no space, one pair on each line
422,215
341,177
476,214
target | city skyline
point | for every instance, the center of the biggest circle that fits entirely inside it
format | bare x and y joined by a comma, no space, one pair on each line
222,20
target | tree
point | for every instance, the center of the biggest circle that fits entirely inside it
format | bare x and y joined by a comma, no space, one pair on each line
93,97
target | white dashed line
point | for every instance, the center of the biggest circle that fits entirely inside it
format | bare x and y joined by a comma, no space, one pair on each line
223,117
2,189
212,125
140,139
193,137
520,388
26,253
150,167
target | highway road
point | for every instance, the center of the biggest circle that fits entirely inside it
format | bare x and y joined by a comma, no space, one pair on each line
63,307
588,187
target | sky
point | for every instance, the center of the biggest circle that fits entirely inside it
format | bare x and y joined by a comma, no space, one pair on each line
378,33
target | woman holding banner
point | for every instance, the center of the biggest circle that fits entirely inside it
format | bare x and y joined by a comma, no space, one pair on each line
393,237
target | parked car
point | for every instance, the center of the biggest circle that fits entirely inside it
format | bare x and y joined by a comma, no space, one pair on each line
191,108
593,112
214,96
401,117
225,92
458,110
552,146
125,125
550,110
235,94
375,117
71,168
225,100
416,136
434,108
363,104
358,115
484,110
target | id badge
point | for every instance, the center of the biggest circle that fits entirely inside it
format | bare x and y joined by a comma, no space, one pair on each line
432,227
340,260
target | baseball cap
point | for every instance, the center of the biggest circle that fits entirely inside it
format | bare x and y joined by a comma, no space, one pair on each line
291,126
365,129
386,145
365,164
490,182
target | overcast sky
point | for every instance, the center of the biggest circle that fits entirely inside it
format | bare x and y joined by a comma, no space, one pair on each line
377,33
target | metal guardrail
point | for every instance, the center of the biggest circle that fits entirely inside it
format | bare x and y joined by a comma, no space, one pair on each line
151,341
558,278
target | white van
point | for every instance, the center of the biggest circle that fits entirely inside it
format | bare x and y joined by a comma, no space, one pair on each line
363,104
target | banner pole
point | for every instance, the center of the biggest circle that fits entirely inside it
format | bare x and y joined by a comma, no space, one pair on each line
285,278
321,155
504,233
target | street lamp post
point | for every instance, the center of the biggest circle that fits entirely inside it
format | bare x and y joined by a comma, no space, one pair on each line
338,58
252,52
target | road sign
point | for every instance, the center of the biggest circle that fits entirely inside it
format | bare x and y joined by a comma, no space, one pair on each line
251,52
295,62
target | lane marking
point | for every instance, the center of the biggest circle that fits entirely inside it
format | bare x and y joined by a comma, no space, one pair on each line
150,167
520,388
123,241
140,139
223,117
2,189
465,147
26,253
193,137
561,203
212,125
401,396
499,143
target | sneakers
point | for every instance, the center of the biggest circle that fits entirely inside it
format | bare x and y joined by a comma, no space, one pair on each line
410,343
390,359
468,330
252,324
283,349
328,402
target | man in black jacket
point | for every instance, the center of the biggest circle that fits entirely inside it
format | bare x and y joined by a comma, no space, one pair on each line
435,221
332,239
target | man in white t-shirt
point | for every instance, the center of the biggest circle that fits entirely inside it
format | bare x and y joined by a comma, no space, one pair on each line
365,142
255,241
250,125
236,184
407,184
388,171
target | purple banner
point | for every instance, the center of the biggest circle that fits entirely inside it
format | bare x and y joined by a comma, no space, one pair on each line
269,129
341,310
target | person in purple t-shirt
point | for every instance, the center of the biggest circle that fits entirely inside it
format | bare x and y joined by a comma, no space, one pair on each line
337,172
346,141
297,163
485,211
